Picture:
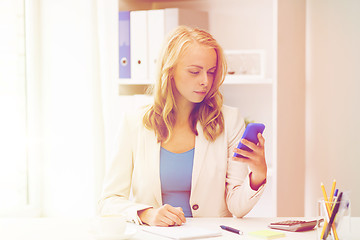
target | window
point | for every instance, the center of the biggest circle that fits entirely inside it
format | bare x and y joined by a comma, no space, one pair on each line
13,108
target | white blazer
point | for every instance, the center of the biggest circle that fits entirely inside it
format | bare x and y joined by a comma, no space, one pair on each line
220,186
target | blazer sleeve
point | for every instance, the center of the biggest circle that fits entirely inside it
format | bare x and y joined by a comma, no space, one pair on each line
240,197
114,199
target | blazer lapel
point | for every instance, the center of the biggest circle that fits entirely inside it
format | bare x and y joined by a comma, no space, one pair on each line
153,155
201,147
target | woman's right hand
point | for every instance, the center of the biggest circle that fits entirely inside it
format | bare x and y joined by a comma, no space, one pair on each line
163,216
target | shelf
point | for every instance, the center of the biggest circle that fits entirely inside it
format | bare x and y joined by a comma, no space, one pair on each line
231,79
228,80
128,81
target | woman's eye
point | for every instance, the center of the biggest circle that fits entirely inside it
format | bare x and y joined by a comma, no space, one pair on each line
211,73
194,72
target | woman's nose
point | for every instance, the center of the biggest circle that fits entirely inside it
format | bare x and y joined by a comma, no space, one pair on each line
204,80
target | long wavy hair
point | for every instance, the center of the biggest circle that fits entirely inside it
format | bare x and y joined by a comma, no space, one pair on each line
160,116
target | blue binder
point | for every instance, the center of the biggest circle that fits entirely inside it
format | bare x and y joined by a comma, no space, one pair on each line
124,44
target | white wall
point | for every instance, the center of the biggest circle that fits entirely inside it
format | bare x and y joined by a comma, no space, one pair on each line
332,100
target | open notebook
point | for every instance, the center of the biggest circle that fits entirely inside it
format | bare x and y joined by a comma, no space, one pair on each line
182,232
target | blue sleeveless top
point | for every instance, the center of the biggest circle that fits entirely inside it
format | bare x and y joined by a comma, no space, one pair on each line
175,177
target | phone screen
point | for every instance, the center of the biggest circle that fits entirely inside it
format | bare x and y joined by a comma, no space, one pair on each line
250,133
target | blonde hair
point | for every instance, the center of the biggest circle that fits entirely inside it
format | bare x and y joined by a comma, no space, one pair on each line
160,116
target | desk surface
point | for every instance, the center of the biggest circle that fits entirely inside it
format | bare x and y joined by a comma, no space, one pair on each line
82,228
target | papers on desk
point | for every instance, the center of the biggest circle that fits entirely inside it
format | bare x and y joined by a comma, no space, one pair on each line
182,232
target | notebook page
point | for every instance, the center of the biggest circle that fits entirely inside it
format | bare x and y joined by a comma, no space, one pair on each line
182,232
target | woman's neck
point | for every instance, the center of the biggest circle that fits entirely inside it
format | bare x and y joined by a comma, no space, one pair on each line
183,113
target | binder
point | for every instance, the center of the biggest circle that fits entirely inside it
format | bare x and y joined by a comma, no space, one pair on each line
156,34
139,45
124,45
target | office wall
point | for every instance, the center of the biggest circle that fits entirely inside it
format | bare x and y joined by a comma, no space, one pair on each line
332,99
290,107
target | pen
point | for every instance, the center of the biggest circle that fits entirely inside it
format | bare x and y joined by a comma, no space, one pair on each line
230,229
335,196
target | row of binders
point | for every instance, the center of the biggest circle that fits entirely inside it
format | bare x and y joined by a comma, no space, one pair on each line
141,34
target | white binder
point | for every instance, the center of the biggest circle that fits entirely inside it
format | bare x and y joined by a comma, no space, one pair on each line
139,45
156,34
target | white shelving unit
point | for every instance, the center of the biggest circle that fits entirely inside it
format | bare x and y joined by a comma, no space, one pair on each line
243,80
251,25
228,80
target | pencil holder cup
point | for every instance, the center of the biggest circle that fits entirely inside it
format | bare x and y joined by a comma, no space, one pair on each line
340,229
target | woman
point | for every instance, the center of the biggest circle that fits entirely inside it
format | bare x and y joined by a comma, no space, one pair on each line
176,155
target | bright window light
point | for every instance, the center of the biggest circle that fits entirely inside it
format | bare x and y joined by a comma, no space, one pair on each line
13,119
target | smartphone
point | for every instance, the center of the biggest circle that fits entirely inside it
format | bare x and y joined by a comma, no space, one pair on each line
250,134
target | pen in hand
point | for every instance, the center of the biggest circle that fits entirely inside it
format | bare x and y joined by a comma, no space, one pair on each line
230,229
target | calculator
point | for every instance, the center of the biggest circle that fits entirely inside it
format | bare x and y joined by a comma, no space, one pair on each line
294,225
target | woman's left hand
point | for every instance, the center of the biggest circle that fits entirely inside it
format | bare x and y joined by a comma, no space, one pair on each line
255,160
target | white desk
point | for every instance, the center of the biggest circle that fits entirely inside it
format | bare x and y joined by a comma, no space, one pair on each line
81,228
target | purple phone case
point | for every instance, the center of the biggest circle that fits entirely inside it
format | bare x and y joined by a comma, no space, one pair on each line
250,133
